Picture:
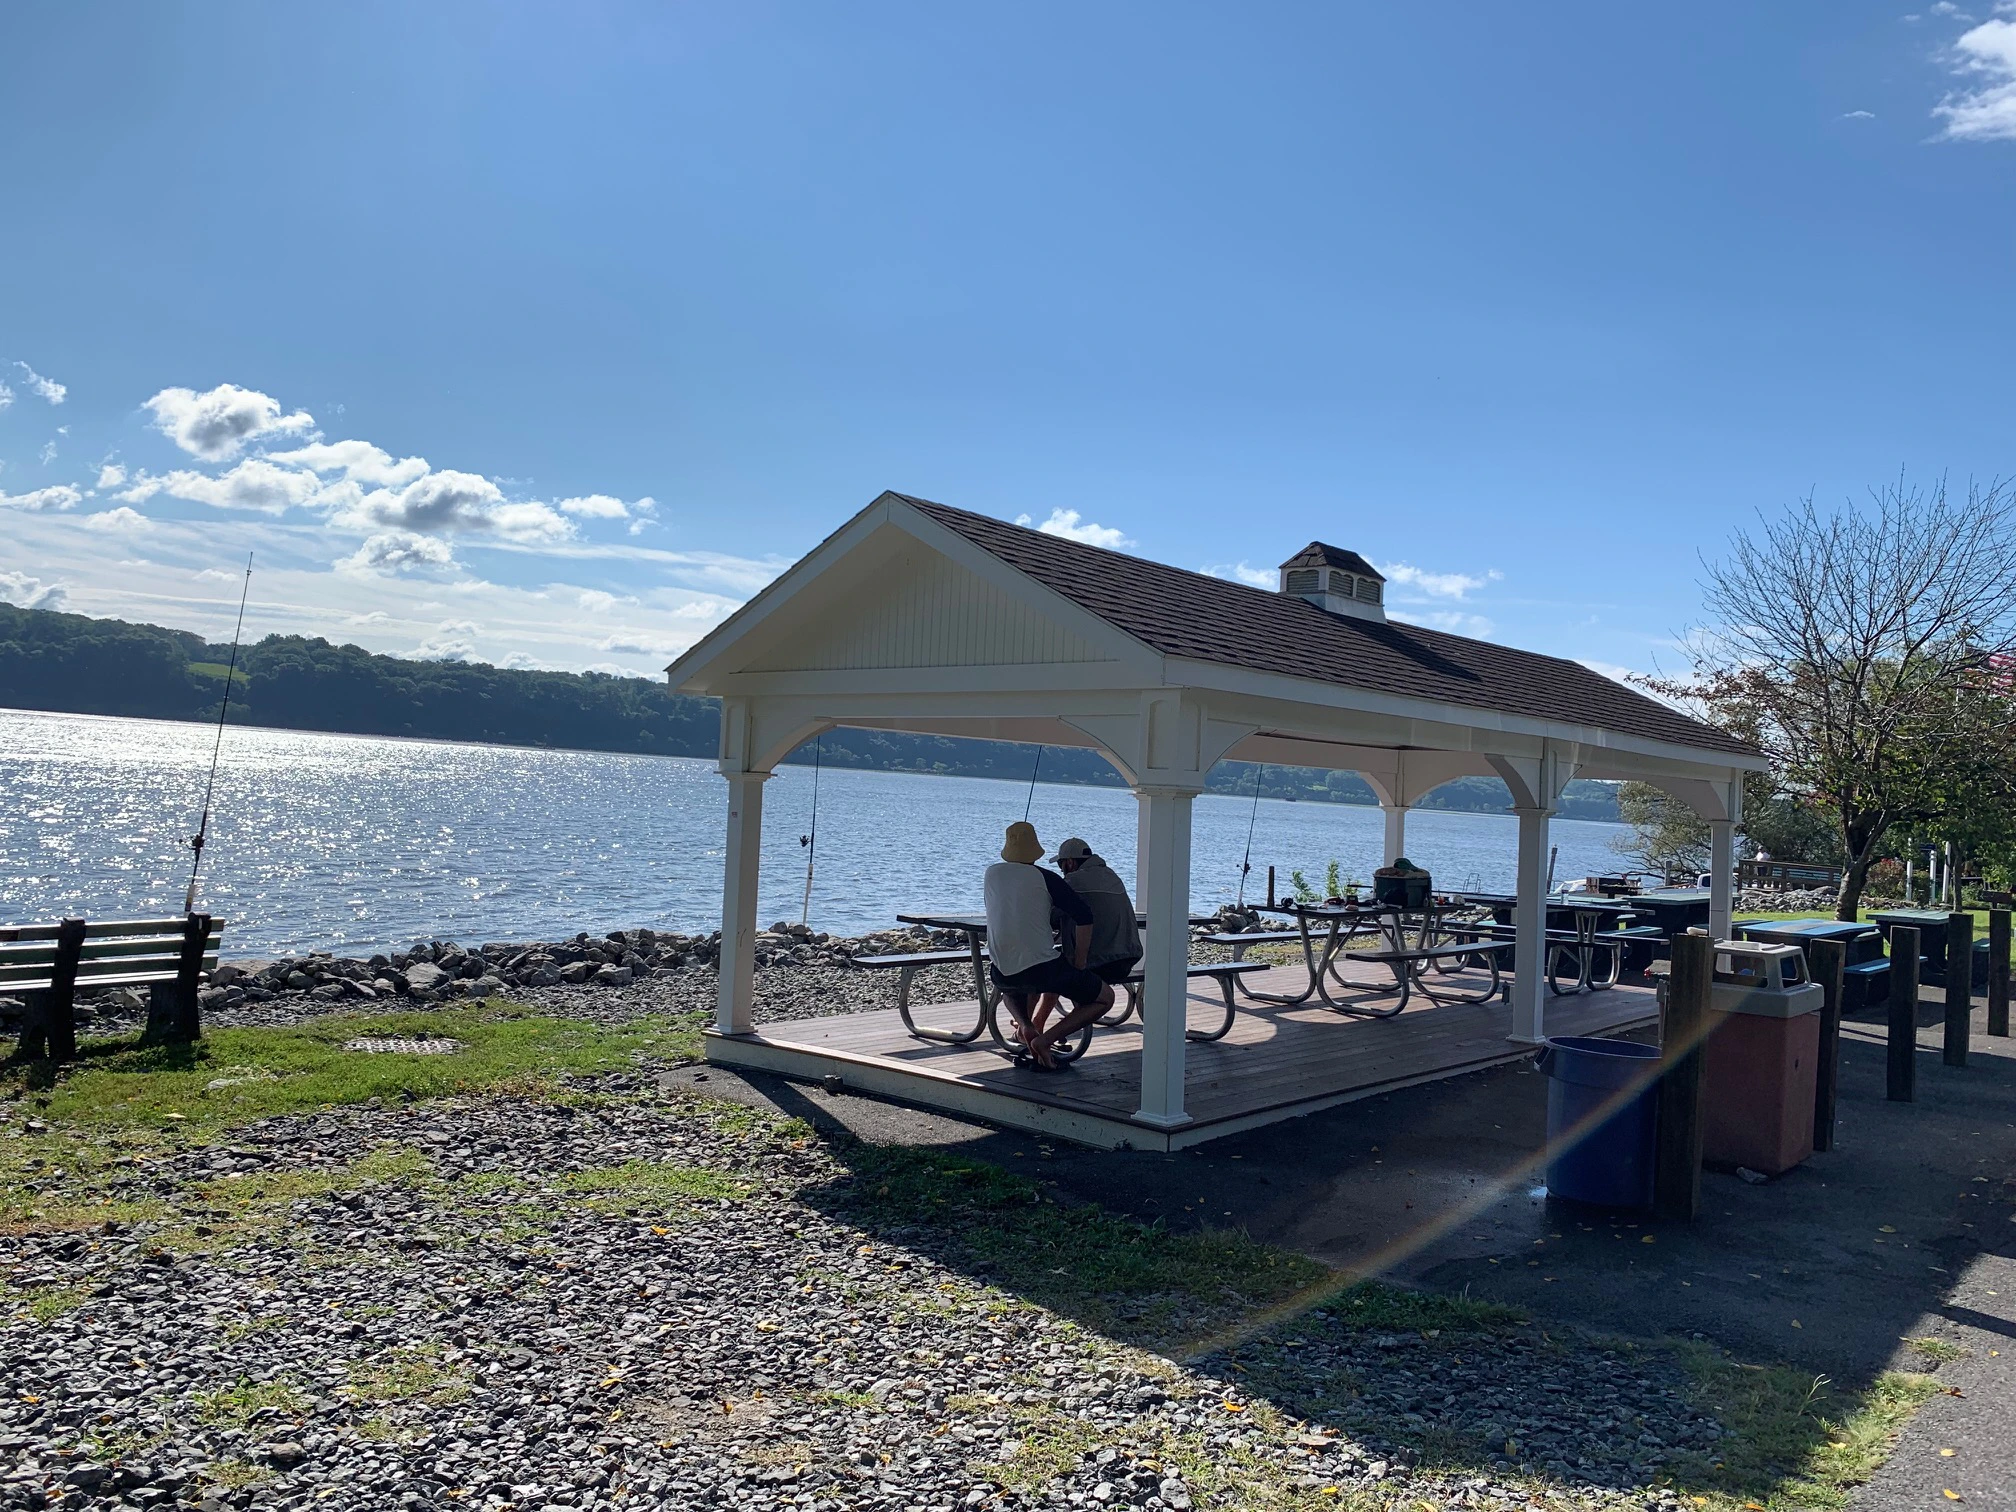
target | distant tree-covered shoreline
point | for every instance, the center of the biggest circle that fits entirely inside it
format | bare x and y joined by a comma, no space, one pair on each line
73,664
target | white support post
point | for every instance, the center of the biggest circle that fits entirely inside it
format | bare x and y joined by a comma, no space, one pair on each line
1396,831
1142,845
1166,990
735,1011
1721,877
1529,923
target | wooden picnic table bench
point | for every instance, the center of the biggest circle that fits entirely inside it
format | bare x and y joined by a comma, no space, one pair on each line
910,963
49,962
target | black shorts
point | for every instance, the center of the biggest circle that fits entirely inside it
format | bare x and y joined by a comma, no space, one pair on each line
1117,972
1054,975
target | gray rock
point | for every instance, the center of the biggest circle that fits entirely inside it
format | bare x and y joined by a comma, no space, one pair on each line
615,976
423,977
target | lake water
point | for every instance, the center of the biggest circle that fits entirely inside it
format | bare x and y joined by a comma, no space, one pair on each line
349,843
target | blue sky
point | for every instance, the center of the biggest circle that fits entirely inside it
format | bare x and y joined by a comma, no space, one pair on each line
545,334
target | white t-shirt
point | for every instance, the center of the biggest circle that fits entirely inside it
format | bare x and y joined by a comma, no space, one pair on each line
1018,917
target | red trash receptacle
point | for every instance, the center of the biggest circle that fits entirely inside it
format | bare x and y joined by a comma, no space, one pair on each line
1762,1060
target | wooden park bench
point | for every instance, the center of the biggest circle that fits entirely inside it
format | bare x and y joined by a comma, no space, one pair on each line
48,963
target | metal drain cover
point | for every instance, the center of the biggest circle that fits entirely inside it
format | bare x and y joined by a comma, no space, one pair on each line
369,1046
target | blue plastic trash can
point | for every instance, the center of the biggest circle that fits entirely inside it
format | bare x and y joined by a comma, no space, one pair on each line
1600,1132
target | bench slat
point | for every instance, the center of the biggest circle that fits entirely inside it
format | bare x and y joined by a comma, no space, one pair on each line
104,929
98,973
1429,953
917,958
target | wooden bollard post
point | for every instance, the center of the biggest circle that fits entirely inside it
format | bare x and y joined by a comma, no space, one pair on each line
1998,973
1676,1161
188,1010
1828,958
60,1003
1901,1079
1959,986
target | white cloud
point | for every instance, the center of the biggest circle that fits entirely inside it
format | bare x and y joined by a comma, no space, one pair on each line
358,462
1240,572
6,396
450,502
215,424
1072,527
603,507
375,617
520,661
214,575
60,496
254,484
121,518
25,592
1986,112
111,476
45,388
454,640
636,643
48,452
393,550
1858,115
1454,585
595,601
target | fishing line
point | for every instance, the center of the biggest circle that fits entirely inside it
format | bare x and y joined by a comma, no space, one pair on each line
230,676
1032,785
811,841
1252,817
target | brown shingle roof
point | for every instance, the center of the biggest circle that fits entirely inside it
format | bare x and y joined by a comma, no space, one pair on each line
1189,614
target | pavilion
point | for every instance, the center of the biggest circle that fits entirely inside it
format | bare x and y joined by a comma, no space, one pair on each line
918,617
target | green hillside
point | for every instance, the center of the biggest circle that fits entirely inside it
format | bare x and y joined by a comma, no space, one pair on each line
71,663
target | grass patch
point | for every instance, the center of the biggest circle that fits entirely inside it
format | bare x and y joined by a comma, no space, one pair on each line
1122,1277
304,1067
43,1304
1936,1352
640,1186
409,1373
236,1406
1796,1444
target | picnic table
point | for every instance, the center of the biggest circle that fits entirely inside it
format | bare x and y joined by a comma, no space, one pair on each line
1931,926
1675,910
1585,930
974,928
1410,961
1863,941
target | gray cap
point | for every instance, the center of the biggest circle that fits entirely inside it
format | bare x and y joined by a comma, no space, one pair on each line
1074,849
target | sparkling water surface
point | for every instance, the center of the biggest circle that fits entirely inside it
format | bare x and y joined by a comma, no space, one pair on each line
351,843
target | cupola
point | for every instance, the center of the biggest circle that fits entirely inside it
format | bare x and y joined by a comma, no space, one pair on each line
1340,581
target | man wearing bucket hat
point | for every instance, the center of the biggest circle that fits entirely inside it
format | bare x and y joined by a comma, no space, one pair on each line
1025,961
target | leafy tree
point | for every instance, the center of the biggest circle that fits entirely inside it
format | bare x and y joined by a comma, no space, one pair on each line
1867,651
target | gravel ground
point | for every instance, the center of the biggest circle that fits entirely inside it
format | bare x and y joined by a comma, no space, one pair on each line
629,1298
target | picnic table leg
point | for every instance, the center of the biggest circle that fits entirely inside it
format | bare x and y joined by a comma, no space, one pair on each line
1225,1028
904,976
1283,999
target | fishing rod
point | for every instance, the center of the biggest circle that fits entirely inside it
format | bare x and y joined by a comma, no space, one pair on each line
1026,807
811,840
1252,817
217,749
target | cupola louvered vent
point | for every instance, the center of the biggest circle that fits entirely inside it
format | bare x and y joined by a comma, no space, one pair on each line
1336,580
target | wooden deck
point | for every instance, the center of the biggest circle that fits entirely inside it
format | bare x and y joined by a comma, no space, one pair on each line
1275,1063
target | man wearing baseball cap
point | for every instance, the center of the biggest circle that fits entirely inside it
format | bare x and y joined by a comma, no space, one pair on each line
1025,962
